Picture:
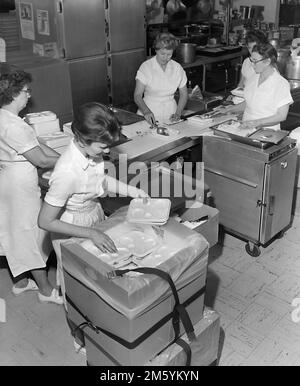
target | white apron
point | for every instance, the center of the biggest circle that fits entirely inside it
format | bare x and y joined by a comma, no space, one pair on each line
160,87
24,244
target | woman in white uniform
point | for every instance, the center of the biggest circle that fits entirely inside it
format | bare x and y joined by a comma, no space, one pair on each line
25,245
71,206
157,80
267,94
253,37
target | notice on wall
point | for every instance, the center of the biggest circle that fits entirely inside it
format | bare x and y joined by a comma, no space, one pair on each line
42,22
26,21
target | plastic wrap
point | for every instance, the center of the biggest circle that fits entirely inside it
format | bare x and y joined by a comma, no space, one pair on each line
133,293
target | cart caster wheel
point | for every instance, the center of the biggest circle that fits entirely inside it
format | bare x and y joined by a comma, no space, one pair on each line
252,249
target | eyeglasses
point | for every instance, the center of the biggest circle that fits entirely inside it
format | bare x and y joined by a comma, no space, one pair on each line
27,91
256,61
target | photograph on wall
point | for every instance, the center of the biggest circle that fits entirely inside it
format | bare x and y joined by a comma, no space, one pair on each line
26,21
42,22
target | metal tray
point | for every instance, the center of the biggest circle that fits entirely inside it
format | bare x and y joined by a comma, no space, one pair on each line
246,140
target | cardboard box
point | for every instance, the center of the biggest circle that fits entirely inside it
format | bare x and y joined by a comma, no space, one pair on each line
210,228
204,349
106,317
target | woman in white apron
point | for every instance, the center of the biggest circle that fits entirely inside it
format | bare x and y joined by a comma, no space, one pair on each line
267,94
25,246
157,80
71,206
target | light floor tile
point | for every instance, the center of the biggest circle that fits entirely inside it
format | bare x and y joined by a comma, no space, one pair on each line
241,339
247,287
259,318
230,358
230,304
271,353
286,287
287,333
273,303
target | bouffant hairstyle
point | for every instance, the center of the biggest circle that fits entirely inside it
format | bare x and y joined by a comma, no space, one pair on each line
12,81
165,40
95,122
267,51
256,36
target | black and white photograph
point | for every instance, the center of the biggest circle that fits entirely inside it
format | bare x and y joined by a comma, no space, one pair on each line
149,187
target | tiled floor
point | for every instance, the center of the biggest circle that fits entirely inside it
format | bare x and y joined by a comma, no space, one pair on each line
253,297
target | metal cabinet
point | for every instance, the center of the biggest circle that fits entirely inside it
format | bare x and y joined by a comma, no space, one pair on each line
251,187
103,42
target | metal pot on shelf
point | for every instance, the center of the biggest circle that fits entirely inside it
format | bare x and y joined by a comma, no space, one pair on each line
186,53
282,58
293,68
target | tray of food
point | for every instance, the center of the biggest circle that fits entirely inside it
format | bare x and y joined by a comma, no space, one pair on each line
232,129
149,211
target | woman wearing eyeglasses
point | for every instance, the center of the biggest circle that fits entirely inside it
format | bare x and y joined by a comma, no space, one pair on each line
25,245
267,94
253,37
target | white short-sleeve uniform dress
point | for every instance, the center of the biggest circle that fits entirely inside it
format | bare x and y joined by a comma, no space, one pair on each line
160,86
24,244
263,100
75,185
247,70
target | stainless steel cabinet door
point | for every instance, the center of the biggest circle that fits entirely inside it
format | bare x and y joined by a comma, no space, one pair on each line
88,80
278,195
124,66
82,27
236,183
127,24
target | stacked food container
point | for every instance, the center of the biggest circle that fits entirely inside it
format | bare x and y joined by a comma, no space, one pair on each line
134,304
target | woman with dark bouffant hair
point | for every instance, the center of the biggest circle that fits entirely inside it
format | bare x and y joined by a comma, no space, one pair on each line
157,80
267,94
24,244
71,206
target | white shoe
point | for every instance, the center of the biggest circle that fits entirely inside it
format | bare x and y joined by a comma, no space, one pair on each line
31,286
53,298
79,349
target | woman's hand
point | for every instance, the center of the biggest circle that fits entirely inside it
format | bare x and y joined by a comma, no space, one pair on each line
138,193
102,241
248,125
150,118
174,117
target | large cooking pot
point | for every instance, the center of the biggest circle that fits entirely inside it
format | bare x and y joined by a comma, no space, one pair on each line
282,58
293,67
186,53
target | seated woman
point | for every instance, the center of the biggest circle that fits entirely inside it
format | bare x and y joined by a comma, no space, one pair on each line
157,80
267,94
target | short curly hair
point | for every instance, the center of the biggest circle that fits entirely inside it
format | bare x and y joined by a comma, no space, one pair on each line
165,40
12,81
95,122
